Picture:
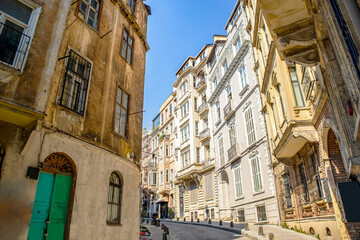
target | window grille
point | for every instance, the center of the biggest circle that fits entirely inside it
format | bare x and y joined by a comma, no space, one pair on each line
75,83
127,47
90,11
114,199
241,215
121,112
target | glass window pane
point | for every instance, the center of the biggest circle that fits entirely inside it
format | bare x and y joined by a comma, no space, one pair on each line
108,218
90,22
94,4
117,112
115,213
125,35
16,9
92,14
130,41
117,125
119,95
123,50
125,101
111,192
83,7
297,94
128,59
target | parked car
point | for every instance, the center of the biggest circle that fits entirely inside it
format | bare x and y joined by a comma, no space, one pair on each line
144,233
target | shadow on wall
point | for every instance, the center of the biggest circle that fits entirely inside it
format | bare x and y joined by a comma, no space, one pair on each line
15,211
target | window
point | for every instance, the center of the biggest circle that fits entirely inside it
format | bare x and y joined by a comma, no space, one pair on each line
171,175
161,178
127,47
167,175
197,128
17,26
216,82
149,179
195,104
154,178
261,213
303,181
185,158
161,153
221,151
121,112
194,82
281,100
243,78
90,11
229,93
238,44
184,88
256,174
185,133
212,213
170,109
171,128
218,111
132,4
114,199
162,118
171,149
208,186
167,150
196,214
75,83
193,192
286,190
185,109
241,215
250,126
197,155
225,66
316,175
299,99
232,135
238,183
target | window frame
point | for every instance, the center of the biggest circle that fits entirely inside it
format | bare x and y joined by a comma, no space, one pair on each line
238,181
64,78
29,30
98,13
295,82
127,45
132,7
257,214
259,173
250,133
127,112
120,186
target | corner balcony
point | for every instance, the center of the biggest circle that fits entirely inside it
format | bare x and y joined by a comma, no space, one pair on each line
204,107
229,110
201,85
295,136
233,152
187,172
165,188
204,134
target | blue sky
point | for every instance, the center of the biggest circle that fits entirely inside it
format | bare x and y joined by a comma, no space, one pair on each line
177,29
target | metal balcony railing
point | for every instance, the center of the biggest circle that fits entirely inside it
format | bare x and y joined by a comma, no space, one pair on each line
227,109
202,107
13,46
232,152
207,163
204,133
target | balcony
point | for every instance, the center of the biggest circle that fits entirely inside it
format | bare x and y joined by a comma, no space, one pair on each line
187,172
208,164
201,84
228,111
233,152
165,188
13,46
204,134
162,137
203,108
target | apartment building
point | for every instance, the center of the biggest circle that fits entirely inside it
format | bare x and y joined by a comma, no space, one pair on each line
148,187
307,65
243,170
71,83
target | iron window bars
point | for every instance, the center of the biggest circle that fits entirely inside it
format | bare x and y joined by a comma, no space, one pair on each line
75,83
14,44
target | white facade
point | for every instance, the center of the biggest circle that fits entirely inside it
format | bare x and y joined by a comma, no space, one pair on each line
244,175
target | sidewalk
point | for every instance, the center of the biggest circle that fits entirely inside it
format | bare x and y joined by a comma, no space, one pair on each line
278,232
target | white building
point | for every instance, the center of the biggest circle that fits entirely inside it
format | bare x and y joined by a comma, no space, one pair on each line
244,175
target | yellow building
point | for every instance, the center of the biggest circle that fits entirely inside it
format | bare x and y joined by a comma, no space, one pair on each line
309,83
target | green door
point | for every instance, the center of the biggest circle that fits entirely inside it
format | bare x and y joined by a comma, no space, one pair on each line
59,207
41,206
51,203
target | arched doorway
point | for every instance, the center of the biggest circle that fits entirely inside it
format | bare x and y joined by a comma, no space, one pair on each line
224,181
53,200
336,161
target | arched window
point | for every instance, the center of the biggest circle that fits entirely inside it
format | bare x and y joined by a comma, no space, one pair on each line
114,199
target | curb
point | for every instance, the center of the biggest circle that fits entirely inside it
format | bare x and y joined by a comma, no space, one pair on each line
234,230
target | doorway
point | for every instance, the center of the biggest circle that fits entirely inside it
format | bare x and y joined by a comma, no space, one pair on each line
52,206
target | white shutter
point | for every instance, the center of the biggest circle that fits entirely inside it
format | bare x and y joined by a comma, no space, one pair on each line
208,186
238,184
221,151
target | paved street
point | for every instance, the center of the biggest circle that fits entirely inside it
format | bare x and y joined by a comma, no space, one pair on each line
190,232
